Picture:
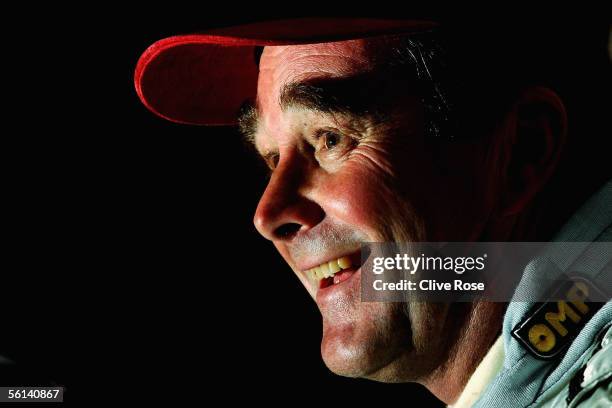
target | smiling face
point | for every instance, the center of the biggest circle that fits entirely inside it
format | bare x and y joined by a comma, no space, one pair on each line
350,164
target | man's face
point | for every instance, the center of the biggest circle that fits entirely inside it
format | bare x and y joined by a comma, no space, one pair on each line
343,175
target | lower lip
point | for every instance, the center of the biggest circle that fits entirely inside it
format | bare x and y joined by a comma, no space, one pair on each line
337,279
341,281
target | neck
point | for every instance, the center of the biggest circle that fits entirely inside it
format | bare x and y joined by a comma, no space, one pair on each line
483,320
483,326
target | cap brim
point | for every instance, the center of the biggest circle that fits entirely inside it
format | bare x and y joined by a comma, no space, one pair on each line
203,79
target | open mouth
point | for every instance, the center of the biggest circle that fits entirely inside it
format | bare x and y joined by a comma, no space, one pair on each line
335,271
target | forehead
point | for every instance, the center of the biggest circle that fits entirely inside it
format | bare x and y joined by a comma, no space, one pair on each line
283,65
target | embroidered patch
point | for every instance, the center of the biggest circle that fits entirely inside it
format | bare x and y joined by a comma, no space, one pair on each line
550,327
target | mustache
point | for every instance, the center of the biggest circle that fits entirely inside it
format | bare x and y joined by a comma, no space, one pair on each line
323,237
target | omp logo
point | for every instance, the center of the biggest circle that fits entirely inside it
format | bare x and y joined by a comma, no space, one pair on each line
544,336
550,327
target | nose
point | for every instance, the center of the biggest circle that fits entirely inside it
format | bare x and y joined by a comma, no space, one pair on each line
284,209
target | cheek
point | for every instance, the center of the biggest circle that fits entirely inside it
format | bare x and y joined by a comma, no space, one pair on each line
453,201
355,196
413,190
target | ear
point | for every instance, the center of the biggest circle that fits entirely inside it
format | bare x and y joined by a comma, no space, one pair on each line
536,135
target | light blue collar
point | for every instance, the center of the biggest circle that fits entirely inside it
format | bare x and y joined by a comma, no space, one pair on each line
525,380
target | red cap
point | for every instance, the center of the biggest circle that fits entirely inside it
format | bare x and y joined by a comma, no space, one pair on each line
204,78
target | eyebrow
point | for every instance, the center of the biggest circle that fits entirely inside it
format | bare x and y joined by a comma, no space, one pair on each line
344,96
248,119
357,97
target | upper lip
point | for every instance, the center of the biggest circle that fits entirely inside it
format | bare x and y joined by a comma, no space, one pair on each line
321,260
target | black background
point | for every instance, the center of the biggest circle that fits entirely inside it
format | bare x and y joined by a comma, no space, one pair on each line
133,270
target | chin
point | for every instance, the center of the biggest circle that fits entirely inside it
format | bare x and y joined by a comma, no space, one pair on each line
377,346
354,357
344,359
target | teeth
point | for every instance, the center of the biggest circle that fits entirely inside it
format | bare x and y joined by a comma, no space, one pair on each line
344,262
333,267
329,269
325,270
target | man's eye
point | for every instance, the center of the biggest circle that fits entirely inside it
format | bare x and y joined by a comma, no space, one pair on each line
331,144
330,140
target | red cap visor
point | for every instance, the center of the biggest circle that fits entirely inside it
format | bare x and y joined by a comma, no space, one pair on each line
204,79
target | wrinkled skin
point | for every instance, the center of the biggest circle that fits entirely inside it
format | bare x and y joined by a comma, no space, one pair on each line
376,181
